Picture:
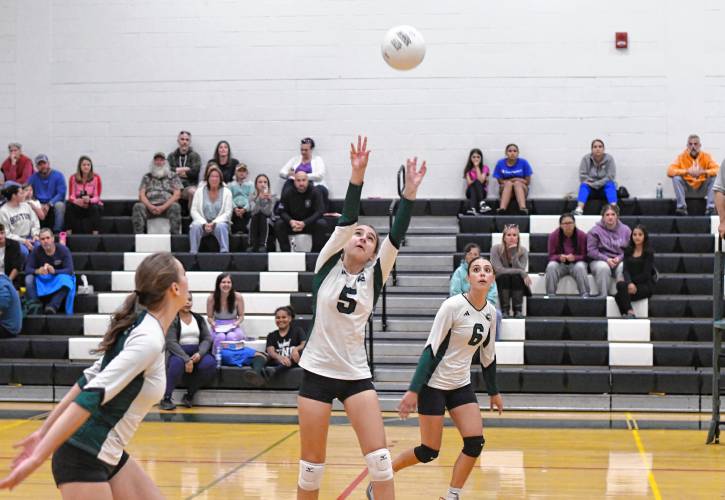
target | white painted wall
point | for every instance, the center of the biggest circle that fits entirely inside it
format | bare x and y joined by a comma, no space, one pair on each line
118,79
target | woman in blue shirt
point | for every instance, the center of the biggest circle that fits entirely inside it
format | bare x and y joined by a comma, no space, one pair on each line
513,175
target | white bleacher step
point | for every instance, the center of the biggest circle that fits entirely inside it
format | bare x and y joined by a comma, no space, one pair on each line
278,281
286,261
131,260
430,243
628,330
641,308
545,224
510,353
153,243
434,263
630,354
254,303
255,326
714,225
512,329
80,348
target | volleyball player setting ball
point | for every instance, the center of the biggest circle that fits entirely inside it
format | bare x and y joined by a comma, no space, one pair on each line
349,275
89,429
442,380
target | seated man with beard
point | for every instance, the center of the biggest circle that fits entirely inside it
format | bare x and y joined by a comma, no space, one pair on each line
158,196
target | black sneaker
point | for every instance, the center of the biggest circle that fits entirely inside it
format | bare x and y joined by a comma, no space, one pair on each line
710,211
680,211
253,378
500,211
167,404
186,400
524,211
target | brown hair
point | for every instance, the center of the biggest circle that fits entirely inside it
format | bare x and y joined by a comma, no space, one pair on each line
79,174
504,251
214,168
154,276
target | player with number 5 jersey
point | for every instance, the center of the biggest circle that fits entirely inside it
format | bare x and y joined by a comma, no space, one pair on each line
464,324
350,272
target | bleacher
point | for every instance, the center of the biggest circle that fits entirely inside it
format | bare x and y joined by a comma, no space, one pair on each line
566,345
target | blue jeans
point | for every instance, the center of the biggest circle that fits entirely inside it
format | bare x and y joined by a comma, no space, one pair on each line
57,300
610,192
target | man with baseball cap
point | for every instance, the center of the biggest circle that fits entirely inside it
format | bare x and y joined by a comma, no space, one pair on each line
158,196
49,188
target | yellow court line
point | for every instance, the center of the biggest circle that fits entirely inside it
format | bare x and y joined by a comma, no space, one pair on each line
650,476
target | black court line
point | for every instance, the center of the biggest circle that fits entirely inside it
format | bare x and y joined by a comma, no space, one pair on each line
242,465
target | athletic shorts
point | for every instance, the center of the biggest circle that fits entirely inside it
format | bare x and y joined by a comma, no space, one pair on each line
326,389
435,401
73,465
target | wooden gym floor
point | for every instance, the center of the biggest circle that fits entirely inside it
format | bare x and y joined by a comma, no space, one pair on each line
210,453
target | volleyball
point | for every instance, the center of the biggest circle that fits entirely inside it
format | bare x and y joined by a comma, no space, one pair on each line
403,48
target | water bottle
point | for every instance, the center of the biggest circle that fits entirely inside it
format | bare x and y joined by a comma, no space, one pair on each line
219,358
658,191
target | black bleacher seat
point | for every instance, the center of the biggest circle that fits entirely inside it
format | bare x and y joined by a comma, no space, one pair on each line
47,347
590,380
539,306
588,353
221,262
544,353
667,306
632,381
6,370
560,329
653,224
301,302
250,262
682,380
491,224
32,372
66,373
669,354
680,330
508,379
541,380
15,347
118,243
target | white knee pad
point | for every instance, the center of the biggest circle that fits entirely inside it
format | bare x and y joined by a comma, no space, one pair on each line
310,475
380,465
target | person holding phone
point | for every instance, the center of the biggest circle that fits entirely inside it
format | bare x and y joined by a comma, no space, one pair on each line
261,209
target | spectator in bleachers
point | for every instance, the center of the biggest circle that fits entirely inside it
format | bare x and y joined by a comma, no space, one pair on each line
49,274
283,349
188,348
638,272
261,208
225,311
719,190
460,284
313,165
693,174
84,199
241,189
606,242
11,313
49,188
30,199
300,211
476,174
510,260
514,176
17,167
158,195
187,164
18,218
211,211
11,259
597,172
225,161
567,256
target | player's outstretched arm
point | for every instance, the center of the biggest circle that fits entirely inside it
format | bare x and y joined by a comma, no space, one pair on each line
413,177
359,160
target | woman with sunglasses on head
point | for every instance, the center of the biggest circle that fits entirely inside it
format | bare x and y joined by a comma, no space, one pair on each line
350,272
89,429
464,324
510,260
638,272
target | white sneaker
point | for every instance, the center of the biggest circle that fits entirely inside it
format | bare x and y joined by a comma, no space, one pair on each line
483,207
578,211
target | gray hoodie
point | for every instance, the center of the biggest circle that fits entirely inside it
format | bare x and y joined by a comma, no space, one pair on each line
597,176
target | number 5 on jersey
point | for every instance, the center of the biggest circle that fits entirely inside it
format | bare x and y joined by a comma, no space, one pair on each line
477,334
346,304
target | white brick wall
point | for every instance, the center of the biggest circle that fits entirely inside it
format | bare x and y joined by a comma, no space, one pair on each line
117,80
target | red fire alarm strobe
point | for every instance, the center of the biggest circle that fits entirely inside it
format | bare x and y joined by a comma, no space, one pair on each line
621,40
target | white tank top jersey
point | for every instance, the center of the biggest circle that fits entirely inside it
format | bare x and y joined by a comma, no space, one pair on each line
343,302
458,330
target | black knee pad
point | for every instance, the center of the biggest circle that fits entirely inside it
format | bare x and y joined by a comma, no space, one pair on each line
473,445
425,454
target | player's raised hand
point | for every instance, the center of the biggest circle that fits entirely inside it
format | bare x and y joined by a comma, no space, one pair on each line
413,177
359,159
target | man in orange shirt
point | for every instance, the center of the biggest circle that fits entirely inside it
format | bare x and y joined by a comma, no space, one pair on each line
693,174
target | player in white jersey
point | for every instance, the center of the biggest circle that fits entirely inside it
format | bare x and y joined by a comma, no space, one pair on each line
89,429
349,275
464,323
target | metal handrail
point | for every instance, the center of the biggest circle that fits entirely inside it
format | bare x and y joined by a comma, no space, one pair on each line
713,435
394,272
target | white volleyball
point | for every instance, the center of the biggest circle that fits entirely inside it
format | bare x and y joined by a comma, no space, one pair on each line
403,47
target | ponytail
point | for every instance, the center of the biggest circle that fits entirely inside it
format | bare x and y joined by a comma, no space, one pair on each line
122,319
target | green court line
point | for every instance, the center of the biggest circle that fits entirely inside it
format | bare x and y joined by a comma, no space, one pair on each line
242,465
